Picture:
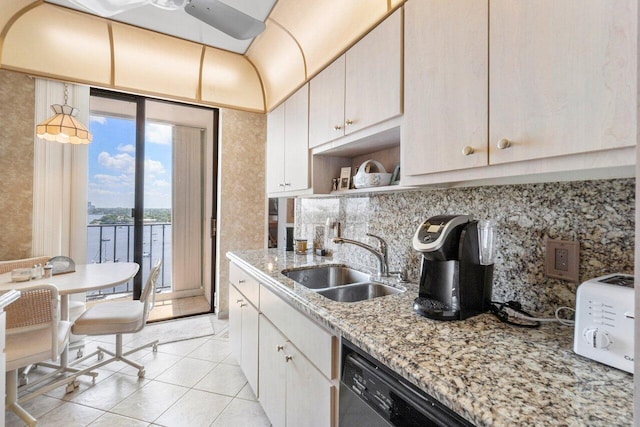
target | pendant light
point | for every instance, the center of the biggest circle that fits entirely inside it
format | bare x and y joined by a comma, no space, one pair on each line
63,126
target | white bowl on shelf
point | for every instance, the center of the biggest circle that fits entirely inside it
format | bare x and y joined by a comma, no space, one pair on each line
371,173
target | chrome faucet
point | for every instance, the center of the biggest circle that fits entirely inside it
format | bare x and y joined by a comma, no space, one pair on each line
380,252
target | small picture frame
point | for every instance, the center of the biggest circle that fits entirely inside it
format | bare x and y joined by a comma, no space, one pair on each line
345,179
395,176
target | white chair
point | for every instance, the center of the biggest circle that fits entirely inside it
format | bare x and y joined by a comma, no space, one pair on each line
120,317
34,334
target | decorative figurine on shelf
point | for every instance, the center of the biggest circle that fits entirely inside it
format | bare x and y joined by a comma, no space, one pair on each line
335,184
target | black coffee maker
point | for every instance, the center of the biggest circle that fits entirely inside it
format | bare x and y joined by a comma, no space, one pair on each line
454,284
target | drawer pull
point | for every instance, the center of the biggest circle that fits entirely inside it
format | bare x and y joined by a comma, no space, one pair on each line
467,151
243,305
287,358
241,281
348,122
279,347
337,127
504,143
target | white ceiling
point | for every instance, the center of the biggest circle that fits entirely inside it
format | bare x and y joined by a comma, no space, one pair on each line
180,24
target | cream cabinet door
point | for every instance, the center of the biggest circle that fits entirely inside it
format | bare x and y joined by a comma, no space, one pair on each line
445,89
309,393
275,150
326,104
235,322
563,77
249,345
296,137
272,374
373,79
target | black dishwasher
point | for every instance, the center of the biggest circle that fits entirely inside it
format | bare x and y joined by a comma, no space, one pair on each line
372,395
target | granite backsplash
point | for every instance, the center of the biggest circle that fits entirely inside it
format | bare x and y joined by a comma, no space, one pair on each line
599,214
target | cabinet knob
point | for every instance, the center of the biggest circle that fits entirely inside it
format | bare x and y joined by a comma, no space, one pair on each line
243,305
241,281
504,143
287,358
337,127
239,301
287,184
467,151
280,185
348,122
279,347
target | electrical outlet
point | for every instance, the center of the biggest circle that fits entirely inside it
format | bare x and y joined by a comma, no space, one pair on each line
562,260
561,256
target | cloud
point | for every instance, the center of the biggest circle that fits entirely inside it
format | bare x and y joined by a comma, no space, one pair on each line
127,148
156,133
103,180
98,119
153,167
120,162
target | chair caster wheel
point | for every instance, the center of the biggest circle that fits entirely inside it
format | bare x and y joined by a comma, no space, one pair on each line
155,348
70,387
141,373
100,356
24,380
79,354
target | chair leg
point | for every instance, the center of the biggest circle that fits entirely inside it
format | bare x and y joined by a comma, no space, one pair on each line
11,402
120,356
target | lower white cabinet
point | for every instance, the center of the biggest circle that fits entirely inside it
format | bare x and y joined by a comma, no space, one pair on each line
292,391
290,361
243,335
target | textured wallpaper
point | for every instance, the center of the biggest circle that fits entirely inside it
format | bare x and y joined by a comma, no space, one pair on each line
242,206
17,92
598,214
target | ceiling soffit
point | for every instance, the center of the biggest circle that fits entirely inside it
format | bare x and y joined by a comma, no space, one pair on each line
301,38
319,32
55,42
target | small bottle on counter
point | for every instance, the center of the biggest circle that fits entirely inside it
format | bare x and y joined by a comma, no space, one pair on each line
48,270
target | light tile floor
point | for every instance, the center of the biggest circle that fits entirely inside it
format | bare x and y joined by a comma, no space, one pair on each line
189,383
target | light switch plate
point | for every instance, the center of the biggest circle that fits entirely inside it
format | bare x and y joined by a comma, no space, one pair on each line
562,259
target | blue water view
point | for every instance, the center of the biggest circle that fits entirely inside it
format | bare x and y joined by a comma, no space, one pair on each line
114,243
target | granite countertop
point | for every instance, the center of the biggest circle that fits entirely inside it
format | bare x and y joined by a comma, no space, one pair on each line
490,373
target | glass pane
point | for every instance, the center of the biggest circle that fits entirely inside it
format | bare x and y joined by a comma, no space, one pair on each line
157,201
111,185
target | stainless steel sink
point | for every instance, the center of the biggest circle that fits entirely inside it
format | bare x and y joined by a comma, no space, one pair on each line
326,277
359,292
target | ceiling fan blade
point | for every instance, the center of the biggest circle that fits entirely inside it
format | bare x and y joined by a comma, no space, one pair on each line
225,18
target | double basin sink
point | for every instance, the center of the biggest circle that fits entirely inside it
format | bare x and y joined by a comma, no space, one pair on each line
341,284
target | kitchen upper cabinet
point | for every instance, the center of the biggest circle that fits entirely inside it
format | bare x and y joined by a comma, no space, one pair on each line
288,144
446,76
563,77
549,84
292,391
373,82
326,104
361,88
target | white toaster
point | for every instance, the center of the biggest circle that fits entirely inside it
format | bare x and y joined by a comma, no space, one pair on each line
604,320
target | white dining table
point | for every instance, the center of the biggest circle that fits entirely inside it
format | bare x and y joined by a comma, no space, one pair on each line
86,278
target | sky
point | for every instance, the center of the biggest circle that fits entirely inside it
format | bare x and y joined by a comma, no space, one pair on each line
112,163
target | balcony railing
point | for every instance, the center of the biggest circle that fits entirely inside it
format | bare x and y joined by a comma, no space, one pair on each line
114,243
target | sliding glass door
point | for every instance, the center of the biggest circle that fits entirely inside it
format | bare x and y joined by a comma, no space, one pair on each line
152,191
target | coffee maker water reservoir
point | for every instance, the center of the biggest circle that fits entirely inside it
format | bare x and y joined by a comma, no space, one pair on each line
457,267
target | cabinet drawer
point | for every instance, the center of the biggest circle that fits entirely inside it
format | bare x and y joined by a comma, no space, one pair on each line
317,344
245,283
